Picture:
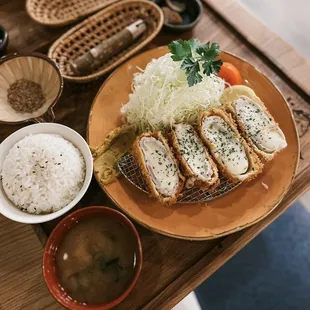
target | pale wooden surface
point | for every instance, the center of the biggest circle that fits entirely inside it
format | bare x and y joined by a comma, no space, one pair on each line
171,268
277,50
276,14
22,285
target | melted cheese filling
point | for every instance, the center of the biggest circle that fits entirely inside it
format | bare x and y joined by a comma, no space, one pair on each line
193,151
261,129
228,148
160,165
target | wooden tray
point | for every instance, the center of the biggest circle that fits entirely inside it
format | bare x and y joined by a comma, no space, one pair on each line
63,12
106,23
171,268
240,208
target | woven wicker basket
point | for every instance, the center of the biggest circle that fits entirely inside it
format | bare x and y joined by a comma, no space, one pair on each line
57,13
101,26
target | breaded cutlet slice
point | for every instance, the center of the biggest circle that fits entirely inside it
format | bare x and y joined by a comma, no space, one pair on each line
195,162
234,158
257,126
159,167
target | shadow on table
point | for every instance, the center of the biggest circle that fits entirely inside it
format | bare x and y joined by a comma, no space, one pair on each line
271,273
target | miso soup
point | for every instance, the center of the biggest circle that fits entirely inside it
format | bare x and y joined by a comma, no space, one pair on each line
96,260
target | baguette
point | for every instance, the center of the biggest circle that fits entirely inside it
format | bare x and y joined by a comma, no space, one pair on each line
159,167
257,126
235,159
195,162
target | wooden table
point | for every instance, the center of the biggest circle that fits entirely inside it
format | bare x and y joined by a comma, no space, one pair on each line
172,268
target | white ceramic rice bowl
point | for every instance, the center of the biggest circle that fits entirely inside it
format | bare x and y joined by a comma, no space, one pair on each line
7,208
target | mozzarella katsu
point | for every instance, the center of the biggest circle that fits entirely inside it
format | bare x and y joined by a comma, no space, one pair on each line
195,161
235,159
159,167
257,126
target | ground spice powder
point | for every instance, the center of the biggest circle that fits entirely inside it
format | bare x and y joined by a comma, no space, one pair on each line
26,96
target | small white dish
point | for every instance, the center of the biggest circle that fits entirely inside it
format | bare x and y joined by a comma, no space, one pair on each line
7,208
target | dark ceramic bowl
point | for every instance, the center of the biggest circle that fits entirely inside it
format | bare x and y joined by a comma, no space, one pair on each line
4,40
191,16
54,241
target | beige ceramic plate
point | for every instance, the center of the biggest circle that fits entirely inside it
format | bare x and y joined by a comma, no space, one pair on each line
236,210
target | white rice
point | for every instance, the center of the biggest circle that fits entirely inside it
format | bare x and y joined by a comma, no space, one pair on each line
42,173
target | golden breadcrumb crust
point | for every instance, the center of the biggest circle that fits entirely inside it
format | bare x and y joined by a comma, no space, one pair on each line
187,171
255,165
138,154
231,109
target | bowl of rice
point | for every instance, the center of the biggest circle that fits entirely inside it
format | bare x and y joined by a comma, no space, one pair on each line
45,169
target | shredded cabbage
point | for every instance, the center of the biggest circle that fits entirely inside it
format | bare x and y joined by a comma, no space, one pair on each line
161,96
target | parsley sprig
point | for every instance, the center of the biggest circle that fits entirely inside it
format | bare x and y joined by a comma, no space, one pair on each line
192,53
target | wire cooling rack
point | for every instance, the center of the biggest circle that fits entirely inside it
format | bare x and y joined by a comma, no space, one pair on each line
128,166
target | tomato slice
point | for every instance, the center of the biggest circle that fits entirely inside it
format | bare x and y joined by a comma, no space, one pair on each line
230,74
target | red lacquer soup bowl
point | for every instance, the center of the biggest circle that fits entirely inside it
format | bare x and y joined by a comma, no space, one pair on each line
51,272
